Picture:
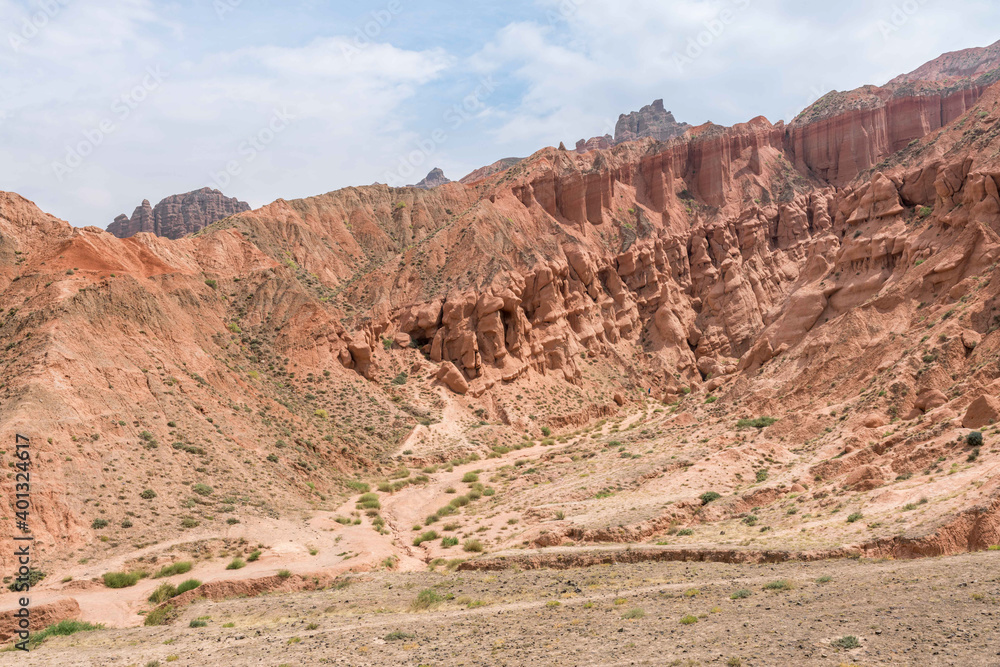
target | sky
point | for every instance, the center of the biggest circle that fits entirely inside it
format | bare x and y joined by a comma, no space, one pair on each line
104,103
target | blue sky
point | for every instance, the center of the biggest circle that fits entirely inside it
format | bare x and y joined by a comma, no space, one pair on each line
106,102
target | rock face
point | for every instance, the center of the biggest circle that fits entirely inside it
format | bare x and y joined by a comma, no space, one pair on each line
178,215
495,168
435,178
652,121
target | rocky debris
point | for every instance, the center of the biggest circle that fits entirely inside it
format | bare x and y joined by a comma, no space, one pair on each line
433,179
178,215
453,378
595,144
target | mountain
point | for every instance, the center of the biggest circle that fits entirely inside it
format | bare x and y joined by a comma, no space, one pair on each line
178,215
433,179
790,317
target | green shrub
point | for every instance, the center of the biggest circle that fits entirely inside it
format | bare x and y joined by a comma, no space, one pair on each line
236,564
546,431
473,546
121,579
161,615
197,623
683,532
211,283
400,379
470,477
779,585
180,567
634,614
974,439
761,475
449,542
426,599
254,555
741,594
711,399
163,592
398,635
202,489
425,537
284,574
856,516
709,496
187,585
34,576
758,422
148,494
689,620
97,524
846,642
62,629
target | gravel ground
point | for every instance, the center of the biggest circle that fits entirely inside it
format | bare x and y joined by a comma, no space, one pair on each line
943,611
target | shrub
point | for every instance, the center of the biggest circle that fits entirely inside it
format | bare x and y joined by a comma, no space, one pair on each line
779,585
449,542
709,496
634,613
856,516
211,283
711,399
846,642
689,620
148,494
973,455
284,574
180,567
758,422
202,489
825,579
161,615
473,546
425,537
62,629
187,585
99,523
761,475
34,576
741,594
974,439
197,623
398,635
254,555
470,477
236,564
163,592
360,487
369,501
683,532
121,579
400,379
426,599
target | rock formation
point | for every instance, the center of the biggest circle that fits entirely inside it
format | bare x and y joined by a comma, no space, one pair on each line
435,178
652,121
178,215
811,272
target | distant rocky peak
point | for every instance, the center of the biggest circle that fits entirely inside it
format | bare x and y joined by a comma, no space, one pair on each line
433,179
651,121
178,215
